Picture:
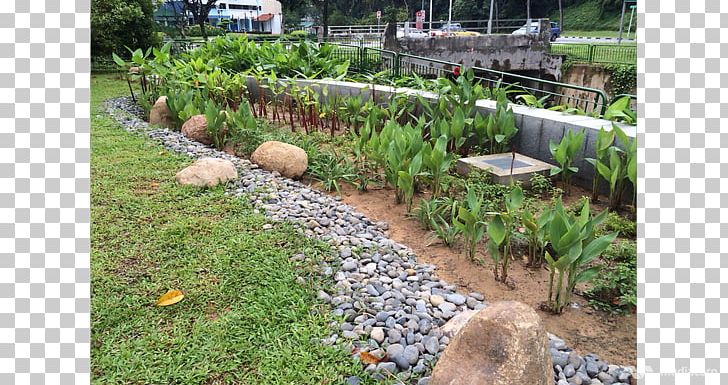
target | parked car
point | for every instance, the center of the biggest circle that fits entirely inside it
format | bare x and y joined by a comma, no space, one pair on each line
413,32
453,30
555,31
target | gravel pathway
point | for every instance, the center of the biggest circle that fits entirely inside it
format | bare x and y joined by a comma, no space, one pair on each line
388,302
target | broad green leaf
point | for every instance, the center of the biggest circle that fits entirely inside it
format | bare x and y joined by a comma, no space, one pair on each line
497,230
587,275
119,61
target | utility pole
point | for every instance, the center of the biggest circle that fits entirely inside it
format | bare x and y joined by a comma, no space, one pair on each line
430,15
528,16
631,16
449,18
490,18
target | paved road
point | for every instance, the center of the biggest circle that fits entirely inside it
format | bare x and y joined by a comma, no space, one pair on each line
592,40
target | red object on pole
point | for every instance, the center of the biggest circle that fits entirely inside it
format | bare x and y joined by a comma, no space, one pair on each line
419,19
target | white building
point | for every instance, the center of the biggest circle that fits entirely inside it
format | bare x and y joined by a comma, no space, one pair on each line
264,16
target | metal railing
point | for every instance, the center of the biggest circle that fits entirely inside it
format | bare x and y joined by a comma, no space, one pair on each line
402,64
598,53
502,26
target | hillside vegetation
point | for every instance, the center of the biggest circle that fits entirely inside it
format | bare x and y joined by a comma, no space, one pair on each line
592,16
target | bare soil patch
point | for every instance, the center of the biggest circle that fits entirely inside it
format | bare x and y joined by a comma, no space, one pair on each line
585,329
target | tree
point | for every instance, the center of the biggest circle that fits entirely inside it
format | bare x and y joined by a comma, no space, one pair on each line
175,13
325,16
116,24
200,9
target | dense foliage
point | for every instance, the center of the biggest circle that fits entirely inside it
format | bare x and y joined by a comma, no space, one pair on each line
116,24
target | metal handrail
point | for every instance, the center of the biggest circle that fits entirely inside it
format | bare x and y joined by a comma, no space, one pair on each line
600,98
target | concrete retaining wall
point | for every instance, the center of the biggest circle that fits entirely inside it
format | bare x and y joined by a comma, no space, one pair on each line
497,52
536,126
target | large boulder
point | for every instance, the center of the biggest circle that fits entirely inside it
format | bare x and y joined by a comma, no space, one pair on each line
207,172
195,128
455,324
289,160
504,343
161,115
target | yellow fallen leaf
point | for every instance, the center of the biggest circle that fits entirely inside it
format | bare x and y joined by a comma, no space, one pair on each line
170,298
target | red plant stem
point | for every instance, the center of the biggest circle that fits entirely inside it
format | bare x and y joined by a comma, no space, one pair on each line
290,113
302,116
333,123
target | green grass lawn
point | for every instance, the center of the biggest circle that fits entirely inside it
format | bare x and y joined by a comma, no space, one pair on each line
244,319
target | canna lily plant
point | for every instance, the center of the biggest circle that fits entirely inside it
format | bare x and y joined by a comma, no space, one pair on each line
603,143
572,245
499,233
437,162
564,153
469,222
535,228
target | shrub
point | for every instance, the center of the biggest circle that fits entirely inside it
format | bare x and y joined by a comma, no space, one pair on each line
194,30
330,169
615,289
116,24
540,184
627,228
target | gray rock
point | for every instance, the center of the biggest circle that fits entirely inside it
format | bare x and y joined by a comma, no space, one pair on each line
377,334
322,295
395,349
477,296
353,380
382,316
569,371
592,369
425,326
372,291
419,368
605,378
424,381
447,307
457,299
349,266
575,360
401,361
410,338
411,354
394,336
432,345
387,367
350,335
559,358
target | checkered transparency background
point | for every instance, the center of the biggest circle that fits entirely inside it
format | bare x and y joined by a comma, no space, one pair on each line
44,191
